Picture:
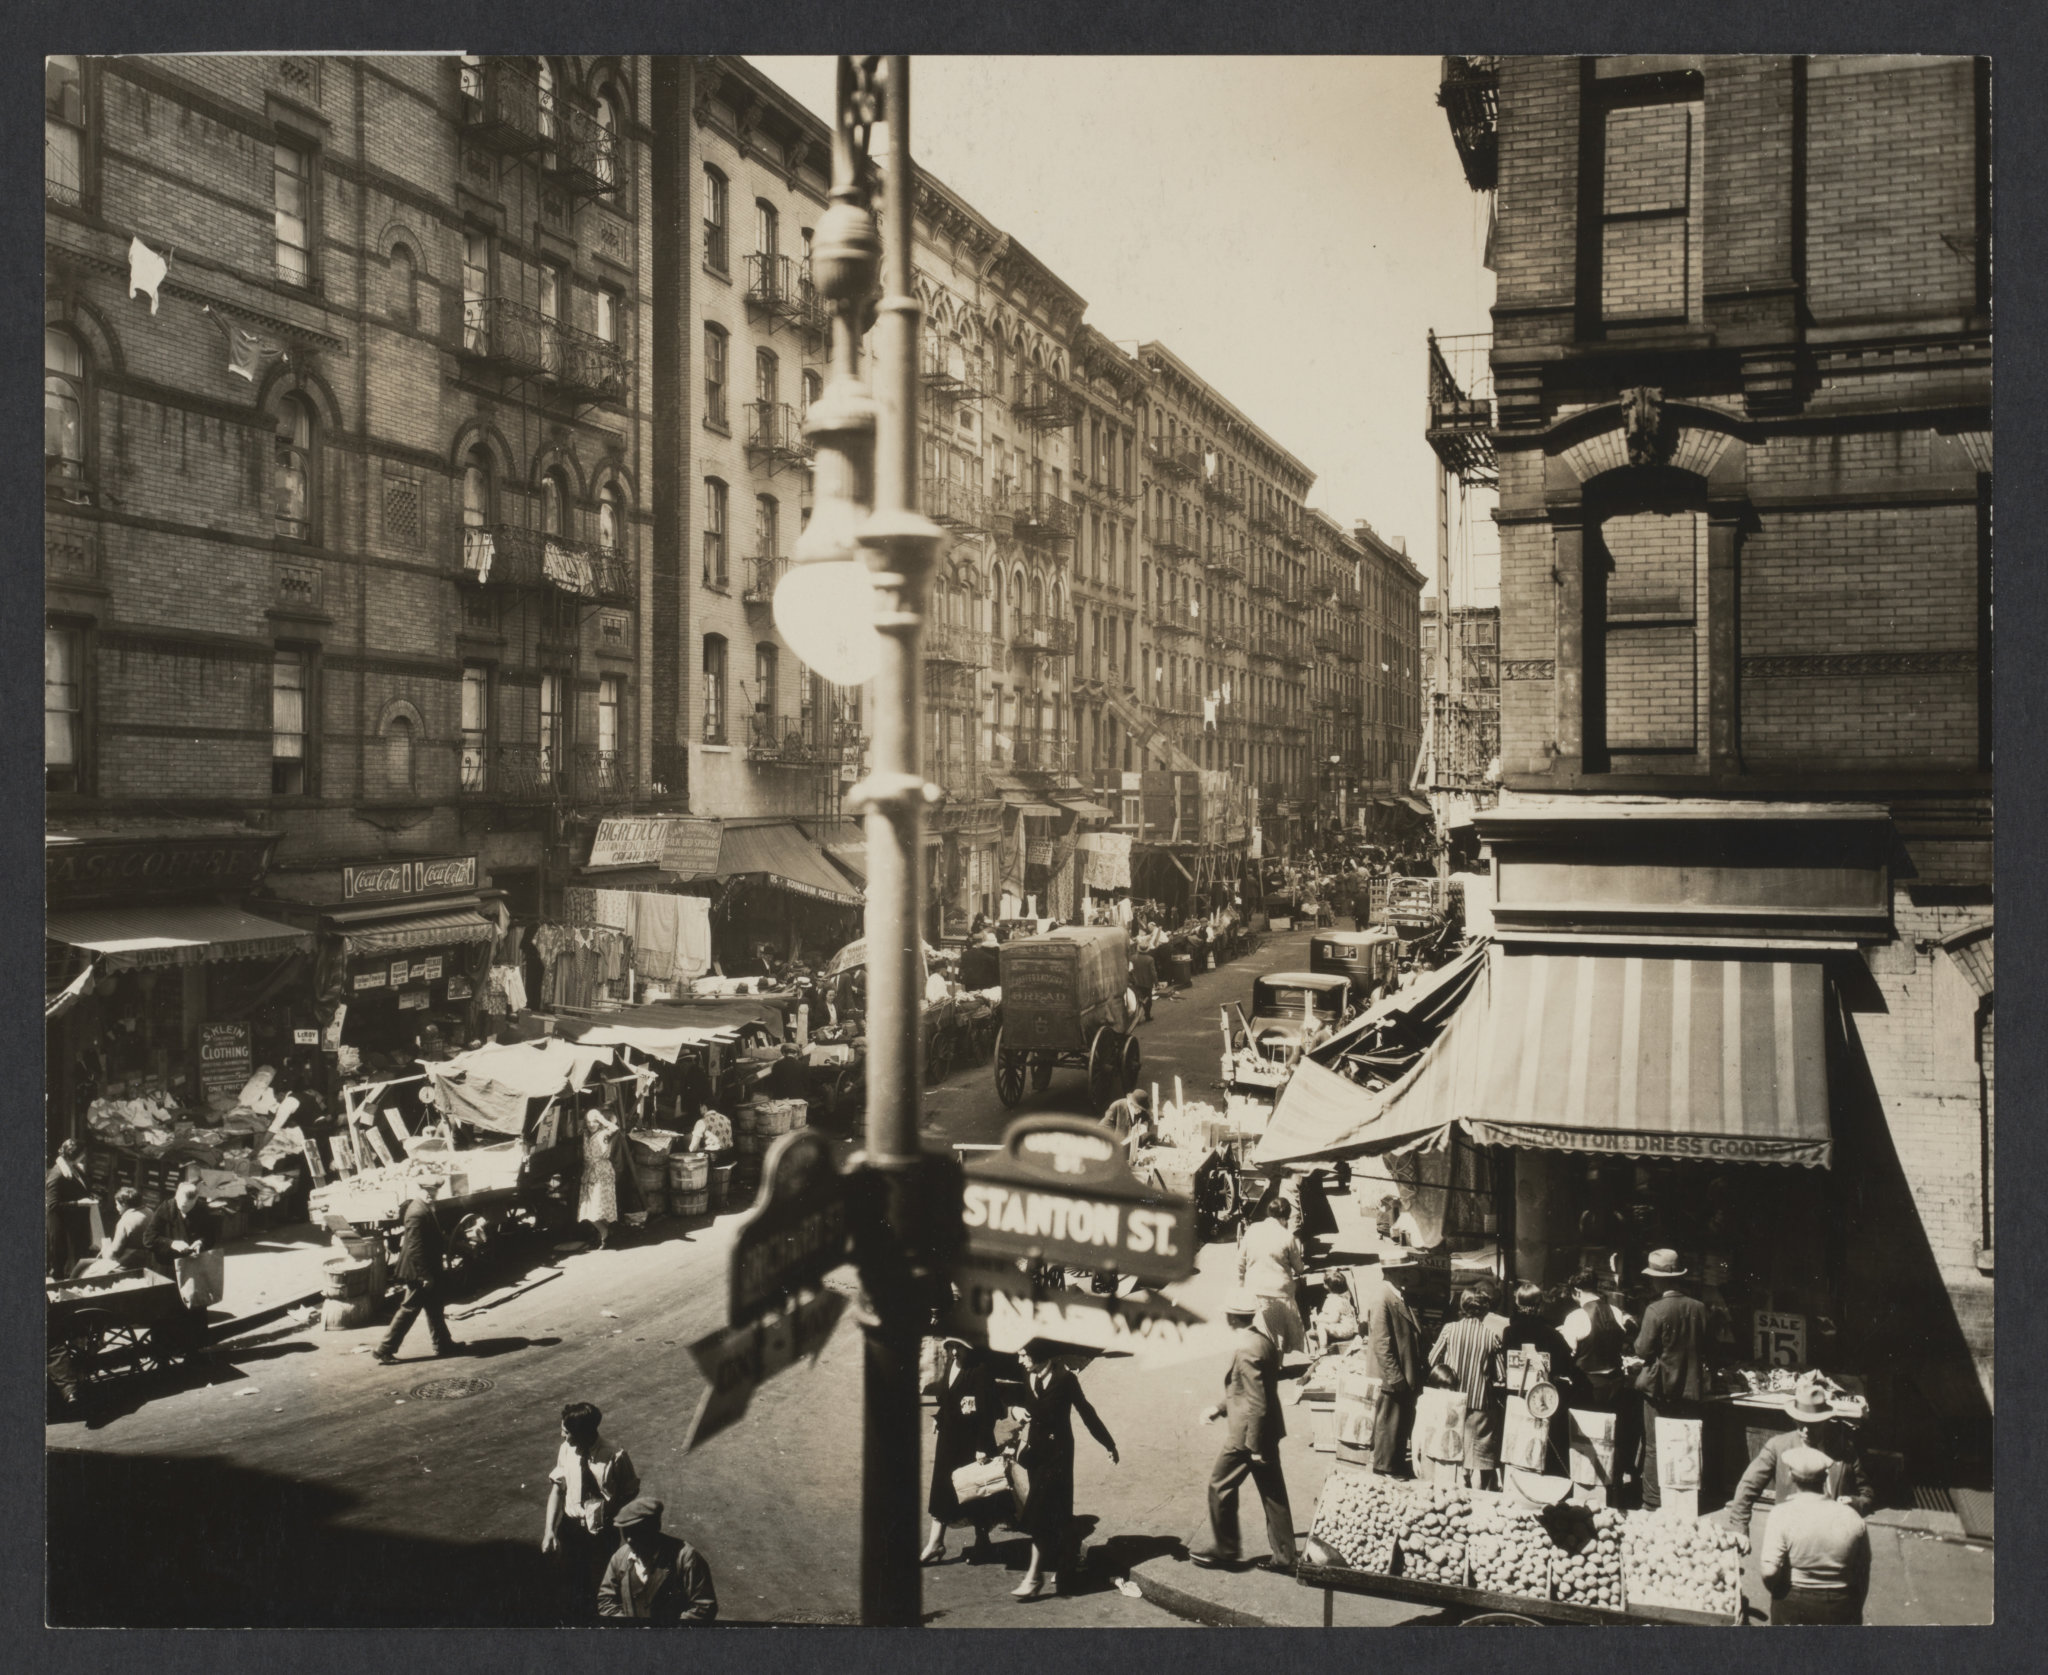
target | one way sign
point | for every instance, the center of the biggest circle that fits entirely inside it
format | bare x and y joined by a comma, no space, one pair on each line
739,1359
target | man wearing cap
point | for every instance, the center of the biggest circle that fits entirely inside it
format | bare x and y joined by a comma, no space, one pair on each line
654,1578
1672,1346
1393,1344
422,1259
1251,1443
1815,1560
1817,1426
1131,1117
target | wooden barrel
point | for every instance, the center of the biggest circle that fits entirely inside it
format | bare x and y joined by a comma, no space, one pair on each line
345,1277
347,1314
721,1186
690,1205
652,1179
688,1171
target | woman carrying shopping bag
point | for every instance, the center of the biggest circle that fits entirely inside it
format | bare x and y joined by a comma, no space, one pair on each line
965,1427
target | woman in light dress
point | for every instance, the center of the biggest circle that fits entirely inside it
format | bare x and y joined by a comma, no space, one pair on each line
597,1202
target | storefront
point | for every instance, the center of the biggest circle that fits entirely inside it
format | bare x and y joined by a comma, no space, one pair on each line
162,985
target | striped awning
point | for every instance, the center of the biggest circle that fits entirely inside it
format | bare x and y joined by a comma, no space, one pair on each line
1654,1056
420,930
175,933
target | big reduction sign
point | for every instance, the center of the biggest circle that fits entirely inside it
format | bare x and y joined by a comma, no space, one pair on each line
1058,1190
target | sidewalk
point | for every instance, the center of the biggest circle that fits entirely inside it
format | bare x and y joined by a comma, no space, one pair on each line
269,1273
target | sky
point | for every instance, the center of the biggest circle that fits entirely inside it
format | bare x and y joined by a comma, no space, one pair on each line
1289,227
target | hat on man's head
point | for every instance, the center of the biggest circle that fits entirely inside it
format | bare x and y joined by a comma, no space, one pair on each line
638,1514
1241,1302
1806,1465
1810,1404
1664,1265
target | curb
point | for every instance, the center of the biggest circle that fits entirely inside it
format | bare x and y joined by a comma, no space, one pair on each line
261,1317
1170,1597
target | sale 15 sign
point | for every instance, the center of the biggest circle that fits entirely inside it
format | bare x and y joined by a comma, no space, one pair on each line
1058,1190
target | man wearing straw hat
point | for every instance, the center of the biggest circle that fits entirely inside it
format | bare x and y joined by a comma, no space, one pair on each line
1251,1443
1817,1423
1672,1346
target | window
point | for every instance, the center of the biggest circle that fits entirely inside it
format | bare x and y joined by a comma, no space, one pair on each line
607,314
405,305
607,159
292,171
551,498
714,376
289,685
610,696
550,318
63,709
714,689
1650,212
716,559
398,756
765,671
476,293
63,130
608,520
63,406
476,725
544,83
476,513
552,720
767,527
767,228
715,218
813,388
294,477
767,380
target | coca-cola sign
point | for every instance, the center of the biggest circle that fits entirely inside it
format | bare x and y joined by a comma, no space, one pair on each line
387,880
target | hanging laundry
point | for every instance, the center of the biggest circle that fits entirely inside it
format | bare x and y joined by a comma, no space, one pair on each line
1208,712
693,951
146,271
248,351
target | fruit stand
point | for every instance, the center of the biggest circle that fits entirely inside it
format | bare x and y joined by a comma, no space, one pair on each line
1480,1551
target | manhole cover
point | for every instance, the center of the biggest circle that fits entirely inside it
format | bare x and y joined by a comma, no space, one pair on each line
451,1389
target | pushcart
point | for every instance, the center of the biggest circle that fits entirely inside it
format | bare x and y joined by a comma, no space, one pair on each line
121,1323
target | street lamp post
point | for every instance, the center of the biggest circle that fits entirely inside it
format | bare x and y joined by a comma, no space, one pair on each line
855,598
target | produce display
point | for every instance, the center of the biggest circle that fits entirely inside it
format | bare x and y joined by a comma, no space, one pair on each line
1591,1575
1602,1559
1684,1564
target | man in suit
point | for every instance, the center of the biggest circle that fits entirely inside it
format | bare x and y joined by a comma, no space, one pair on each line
1251,1443
183,1225
1673,1347
422,1259
654,1578
1393,1342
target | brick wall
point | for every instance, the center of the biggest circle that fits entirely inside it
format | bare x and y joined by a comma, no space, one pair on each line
1651,172
1535,239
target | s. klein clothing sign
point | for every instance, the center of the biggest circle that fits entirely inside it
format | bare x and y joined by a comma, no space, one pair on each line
394,880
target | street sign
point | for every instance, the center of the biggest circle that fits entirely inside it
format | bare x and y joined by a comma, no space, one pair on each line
1000,1306
737,1361
798,1230
1059,1190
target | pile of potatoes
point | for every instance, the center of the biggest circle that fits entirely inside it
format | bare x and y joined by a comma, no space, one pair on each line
1510,1551
1681,1563
1593,1574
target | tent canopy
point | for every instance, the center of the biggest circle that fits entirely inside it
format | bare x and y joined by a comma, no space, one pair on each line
175,933
489,1087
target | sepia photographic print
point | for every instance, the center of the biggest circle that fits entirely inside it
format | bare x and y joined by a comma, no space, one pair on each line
793,878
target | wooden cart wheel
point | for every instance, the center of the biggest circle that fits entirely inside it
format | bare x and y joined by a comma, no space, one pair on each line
1041,1071
1009,1073
1105,1068
938,1058
1131,1063
849,1090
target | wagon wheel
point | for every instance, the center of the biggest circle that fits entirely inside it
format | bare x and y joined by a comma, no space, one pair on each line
1216,1200
1041,1071
849,1091
85,1336
1009,1073
1131,1065
1105,1068
938,1058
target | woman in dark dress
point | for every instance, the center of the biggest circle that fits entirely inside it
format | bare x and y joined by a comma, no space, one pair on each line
1048,1400
966,1432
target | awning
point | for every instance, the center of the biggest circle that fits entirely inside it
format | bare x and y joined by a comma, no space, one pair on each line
1415,803
1037,810
785,858
1652,1056
419,930
846,841
1085,809
175,933
490,1086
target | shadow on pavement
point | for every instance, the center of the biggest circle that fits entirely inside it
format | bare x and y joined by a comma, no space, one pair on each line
203,1543
101,1404
1122,1554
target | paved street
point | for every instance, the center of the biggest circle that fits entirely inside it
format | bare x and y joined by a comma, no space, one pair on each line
311,1486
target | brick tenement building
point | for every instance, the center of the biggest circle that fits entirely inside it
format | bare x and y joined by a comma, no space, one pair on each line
1741,363
1395,679
345,516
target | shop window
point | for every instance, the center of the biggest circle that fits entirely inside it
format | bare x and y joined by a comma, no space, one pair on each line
716,217
63,708
291,685
714,689
717,561
64,409
398,756
292,174
64,130
715,375
295,475
476,725
610,698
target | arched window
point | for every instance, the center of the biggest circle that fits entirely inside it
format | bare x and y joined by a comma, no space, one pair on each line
767,378
610,519
814,387
63,130
717,216
544,80
63,407
714,689
607,159
476,511
398,756
767,228
295,478
767,527
405,307
995,603
551,503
